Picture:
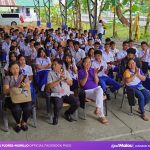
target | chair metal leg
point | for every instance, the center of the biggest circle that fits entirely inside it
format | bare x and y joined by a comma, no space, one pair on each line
5,120
34,116
48,104
122,101
50,114
106,108
131,111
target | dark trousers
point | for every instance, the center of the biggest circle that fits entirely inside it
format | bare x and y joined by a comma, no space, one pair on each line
58,103
22,110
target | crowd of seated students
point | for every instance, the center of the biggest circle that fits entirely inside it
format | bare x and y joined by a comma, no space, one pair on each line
64,60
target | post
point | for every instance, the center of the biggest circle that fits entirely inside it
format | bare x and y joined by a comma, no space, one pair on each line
130,25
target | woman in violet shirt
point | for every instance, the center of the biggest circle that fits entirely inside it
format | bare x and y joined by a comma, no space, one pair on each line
88,80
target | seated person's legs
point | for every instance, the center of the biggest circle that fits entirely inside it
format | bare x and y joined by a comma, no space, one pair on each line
26,108
74,104
58,103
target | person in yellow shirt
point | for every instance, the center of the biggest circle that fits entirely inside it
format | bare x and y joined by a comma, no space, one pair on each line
133,78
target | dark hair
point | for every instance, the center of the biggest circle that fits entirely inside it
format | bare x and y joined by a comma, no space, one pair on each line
59,61
39,52
20,55
76,43
107,44
32,40
144,42
12,48
7,37
10,55
36,44
84,59
107,40
98,52
10,65
127,64
97,43
112,42
131,51
90,51
125,42
66,64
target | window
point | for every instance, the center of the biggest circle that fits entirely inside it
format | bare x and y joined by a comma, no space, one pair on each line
10,15
27,11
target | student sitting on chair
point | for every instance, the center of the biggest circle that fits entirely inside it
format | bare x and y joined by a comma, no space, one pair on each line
131,54
20,111
12,58
58,84
103,70
89,80
133,78
71,67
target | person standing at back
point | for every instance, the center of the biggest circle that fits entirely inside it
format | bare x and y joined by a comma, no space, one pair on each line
100,29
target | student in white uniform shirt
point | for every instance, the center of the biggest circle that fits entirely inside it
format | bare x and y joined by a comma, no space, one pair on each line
24,68
131,45
54,50
100,29
6,45
12,49
79,54
42,61
90,45
71,67
114,50
123,53
145,53
107,54
12,58
103,70
109,59
60,53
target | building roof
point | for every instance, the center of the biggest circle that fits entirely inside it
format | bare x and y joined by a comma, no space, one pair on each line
28,3
7,3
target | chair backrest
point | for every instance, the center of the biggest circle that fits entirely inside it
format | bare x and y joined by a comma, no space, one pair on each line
145,67
131,96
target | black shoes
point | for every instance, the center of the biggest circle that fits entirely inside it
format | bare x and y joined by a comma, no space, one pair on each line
55,120
24,127
17,129
68,117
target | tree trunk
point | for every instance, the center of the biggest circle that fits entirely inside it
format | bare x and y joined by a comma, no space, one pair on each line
130,24
148,21
122,19
100,11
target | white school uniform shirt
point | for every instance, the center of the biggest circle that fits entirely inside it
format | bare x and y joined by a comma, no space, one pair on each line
6,66
87,48
100,28
6,47
147,56
108,57
121,54
80,54
27,51
54,53
114,52
26,70
72,74
7,57
33,54
96,64
43,61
